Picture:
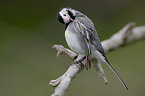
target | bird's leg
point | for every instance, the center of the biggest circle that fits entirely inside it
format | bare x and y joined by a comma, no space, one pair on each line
80,60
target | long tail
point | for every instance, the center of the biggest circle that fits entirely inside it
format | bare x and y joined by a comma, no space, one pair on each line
103,58
109,65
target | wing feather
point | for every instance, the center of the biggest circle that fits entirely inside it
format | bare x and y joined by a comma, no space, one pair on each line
90,33
86,38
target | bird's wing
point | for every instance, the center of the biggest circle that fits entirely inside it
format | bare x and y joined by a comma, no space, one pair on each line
89,32
86,38
90,36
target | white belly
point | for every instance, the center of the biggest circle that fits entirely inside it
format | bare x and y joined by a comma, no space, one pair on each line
74,42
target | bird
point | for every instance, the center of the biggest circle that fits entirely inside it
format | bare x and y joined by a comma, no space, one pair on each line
81,36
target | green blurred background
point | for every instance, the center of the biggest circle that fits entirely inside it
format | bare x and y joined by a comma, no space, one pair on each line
29,28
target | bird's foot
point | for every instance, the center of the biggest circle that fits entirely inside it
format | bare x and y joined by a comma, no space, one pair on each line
80,62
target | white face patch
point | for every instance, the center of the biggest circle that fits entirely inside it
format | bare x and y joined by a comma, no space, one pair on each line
65,16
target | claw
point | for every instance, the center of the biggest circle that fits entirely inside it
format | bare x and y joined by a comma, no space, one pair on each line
80,62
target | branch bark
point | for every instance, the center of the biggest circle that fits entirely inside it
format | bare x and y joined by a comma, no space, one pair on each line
125,36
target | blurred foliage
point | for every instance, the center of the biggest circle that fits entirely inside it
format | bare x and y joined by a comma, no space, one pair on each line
28,29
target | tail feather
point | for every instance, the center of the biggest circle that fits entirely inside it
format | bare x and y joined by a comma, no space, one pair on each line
103,58
109,65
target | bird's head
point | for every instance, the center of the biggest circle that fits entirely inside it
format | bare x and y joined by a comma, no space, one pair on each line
66,15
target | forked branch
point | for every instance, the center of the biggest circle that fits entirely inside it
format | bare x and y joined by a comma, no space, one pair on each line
125,36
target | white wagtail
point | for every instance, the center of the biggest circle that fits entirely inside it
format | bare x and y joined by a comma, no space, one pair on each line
82,37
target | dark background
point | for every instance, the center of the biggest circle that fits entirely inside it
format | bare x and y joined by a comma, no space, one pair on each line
29,28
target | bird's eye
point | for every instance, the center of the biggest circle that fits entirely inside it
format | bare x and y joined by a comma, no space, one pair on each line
64,14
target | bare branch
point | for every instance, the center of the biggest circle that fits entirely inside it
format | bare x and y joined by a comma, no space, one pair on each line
129,34
118,39
97,65
65,79
62,50
125,36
